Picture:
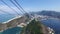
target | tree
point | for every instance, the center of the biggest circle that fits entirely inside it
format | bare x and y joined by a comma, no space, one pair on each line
34,27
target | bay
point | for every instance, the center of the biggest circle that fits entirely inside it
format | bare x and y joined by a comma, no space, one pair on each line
15,30
53,23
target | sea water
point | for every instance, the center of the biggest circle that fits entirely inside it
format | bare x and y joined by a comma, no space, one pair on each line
5,17
15,30
53,23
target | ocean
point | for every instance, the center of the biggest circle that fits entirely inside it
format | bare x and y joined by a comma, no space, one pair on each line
15,30
5,17
52,23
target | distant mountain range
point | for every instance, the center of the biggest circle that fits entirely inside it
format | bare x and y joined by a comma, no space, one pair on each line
48,13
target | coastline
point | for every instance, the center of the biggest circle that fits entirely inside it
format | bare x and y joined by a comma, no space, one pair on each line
11,19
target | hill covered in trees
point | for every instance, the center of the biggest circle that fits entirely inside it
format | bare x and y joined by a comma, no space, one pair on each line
35,27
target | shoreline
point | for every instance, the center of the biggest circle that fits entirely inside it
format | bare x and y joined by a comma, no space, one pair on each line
11,19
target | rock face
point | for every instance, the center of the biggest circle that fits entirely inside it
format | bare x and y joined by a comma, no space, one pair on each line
35,27
2,27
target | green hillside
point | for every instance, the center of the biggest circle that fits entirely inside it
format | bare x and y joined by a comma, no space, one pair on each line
34,27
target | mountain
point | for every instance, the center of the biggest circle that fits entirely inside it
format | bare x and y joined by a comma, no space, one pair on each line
36,27
48,13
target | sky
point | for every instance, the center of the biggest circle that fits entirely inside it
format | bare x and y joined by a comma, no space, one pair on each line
37,5
32,5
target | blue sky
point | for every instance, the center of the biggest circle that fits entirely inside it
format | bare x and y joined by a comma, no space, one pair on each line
33,5
41,5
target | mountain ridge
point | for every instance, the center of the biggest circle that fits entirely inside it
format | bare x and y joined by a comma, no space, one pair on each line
47,13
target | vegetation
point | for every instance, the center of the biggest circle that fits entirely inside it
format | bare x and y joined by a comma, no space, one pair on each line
8,25
0,29
34,27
